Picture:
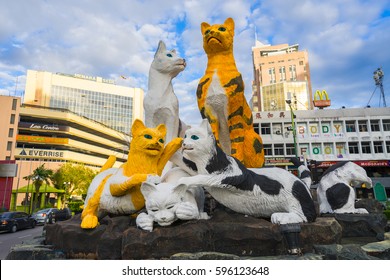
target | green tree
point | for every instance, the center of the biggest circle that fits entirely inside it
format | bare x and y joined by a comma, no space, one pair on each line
39,176
73,178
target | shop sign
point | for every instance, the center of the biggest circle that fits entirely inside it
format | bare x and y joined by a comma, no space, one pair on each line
41,126
41,139
8,169
41,153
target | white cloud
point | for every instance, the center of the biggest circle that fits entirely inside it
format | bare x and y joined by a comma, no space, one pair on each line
345,39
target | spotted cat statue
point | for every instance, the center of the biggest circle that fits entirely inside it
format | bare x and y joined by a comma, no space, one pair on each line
263,192
117,190
334,192
221,97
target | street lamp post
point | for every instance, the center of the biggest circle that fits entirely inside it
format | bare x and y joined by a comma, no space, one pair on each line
288,101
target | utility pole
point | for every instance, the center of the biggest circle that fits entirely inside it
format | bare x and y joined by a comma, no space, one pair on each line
288,101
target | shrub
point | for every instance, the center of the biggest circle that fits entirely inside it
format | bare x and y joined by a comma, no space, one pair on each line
76,206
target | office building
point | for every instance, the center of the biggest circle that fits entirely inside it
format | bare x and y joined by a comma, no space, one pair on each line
92,97
280,71
35,135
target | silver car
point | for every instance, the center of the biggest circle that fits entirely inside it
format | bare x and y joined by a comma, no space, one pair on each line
45,216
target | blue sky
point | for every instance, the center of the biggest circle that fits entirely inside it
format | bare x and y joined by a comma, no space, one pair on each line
346,41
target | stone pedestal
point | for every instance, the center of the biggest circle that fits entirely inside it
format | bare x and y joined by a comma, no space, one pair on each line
361,225
228,233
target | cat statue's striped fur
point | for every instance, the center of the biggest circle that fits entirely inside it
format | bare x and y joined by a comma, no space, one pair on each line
221,98
262,192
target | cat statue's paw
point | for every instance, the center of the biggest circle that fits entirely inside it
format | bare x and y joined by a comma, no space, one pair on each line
145,222
153,179
187,211
89,221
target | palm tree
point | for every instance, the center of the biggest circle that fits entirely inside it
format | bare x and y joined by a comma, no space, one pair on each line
39,176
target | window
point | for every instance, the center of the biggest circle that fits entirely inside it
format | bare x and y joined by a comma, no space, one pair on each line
353,147
366,148
282,72
290,150
278,150
374,125
350,126
12,119
268,149
11,132
256,127
362,126
378,147
271,72
386,125
388,146
14,103
9,146
265,128
277,129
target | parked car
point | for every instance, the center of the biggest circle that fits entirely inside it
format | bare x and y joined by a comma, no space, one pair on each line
13,221
44,216
62,215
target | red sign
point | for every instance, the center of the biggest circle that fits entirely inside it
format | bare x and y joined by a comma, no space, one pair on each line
363,163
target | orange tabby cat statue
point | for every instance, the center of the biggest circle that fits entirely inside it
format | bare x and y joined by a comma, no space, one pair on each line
221,97
117,190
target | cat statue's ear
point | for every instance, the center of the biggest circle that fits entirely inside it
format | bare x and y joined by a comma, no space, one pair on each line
161,48
137,126
162,129
204,26
229,22
206,126
148,188
181,190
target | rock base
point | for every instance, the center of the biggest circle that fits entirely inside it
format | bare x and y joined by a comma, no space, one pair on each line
226,233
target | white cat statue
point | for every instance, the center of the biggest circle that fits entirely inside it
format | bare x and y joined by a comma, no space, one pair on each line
160,103
264,192
166,203
334,192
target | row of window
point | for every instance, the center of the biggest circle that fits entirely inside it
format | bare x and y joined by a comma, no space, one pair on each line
282,73
112,110
326,127
364,147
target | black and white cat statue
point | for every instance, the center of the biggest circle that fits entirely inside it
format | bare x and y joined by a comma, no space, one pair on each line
334,192
265,192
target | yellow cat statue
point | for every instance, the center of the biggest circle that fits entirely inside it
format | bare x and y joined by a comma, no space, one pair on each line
117,190
221,98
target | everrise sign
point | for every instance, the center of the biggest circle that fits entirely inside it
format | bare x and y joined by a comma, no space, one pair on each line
42,153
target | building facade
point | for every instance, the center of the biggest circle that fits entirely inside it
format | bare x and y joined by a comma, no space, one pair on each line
92,97
327,136
35,135
280,72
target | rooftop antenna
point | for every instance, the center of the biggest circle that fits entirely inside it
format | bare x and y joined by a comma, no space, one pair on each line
378,78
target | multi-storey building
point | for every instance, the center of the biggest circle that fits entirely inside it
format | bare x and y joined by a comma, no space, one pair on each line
279,71
361,135
95,98
34,135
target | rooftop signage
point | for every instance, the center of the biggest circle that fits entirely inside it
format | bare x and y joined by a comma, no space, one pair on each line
321,99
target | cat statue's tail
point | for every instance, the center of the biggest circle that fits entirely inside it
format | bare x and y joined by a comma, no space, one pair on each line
303,172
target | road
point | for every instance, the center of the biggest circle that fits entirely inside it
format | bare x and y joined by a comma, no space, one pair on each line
7,239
